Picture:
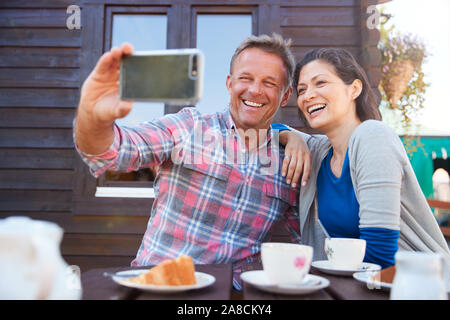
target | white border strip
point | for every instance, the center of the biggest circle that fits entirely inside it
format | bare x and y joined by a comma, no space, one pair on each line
116,192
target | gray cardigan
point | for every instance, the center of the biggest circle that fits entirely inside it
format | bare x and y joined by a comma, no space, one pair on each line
386,188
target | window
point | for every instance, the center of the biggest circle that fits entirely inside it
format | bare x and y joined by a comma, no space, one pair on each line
218,54
144,32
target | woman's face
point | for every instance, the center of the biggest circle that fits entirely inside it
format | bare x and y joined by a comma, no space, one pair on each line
325,100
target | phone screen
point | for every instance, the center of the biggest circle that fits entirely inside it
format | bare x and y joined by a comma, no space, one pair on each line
167,77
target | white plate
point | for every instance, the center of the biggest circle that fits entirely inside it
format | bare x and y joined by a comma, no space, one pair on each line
203,280
325,266
310,283
367,278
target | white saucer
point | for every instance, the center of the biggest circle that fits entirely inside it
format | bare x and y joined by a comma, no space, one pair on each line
367,278
203,280
310,283
325,266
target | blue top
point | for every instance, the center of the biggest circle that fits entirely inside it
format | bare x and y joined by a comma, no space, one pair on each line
279,126
339,213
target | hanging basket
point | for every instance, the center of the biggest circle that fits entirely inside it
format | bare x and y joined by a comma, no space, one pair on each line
395,80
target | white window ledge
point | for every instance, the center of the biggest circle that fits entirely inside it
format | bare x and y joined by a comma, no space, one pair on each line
116,192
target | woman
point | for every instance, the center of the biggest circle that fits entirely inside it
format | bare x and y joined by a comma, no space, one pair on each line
361,182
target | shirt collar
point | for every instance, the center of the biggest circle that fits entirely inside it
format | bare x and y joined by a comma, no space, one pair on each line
230,124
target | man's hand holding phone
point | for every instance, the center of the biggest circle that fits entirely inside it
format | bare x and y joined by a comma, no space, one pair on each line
100,104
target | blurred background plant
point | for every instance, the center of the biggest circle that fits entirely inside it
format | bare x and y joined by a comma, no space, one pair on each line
402,83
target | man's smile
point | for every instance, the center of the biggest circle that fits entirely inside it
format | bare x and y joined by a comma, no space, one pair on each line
252,104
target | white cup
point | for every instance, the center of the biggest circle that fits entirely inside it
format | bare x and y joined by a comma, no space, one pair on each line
286,263
345,253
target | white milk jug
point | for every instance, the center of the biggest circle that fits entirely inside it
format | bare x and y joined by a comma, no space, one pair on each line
418,276
31,266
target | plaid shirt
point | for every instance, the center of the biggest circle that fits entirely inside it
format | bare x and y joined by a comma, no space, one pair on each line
216,201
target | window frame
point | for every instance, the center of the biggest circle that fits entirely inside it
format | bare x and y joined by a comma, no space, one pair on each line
221,10
109,20
98,14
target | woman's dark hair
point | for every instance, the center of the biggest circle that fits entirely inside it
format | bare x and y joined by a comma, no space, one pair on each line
348,70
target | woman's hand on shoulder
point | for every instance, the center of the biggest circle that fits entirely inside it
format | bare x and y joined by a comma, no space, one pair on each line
297,157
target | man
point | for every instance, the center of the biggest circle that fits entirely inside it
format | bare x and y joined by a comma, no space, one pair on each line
217,207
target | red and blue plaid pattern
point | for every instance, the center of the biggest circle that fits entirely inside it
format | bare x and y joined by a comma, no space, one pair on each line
209,205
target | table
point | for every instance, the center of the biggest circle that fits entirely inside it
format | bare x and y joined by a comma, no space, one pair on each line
340,288
348,288
98,287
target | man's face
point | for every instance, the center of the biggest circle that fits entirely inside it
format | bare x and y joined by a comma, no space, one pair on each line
257,87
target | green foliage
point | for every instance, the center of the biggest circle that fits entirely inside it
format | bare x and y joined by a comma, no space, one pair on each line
394,47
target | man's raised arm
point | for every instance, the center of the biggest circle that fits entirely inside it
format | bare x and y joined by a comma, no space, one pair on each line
100,104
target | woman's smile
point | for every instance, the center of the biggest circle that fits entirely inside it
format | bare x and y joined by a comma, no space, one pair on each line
323,97
316,109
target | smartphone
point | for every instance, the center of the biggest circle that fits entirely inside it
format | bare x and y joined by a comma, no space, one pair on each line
173,76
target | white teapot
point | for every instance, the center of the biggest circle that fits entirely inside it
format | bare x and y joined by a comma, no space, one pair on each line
31,266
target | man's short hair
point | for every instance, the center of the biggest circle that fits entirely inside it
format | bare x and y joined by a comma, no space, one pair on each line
272,44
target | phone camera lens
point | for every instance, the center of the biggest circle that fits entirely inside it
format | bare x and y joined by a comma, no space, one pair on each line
194,70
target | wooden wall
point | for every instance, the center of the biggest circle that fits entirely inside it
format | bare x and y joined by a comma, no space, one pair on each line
40,79
39,90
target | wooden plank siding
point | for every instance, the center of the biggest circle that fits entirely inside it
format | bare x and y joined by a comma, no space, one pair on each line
34,117
42,67
370,57
40,61
39,97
